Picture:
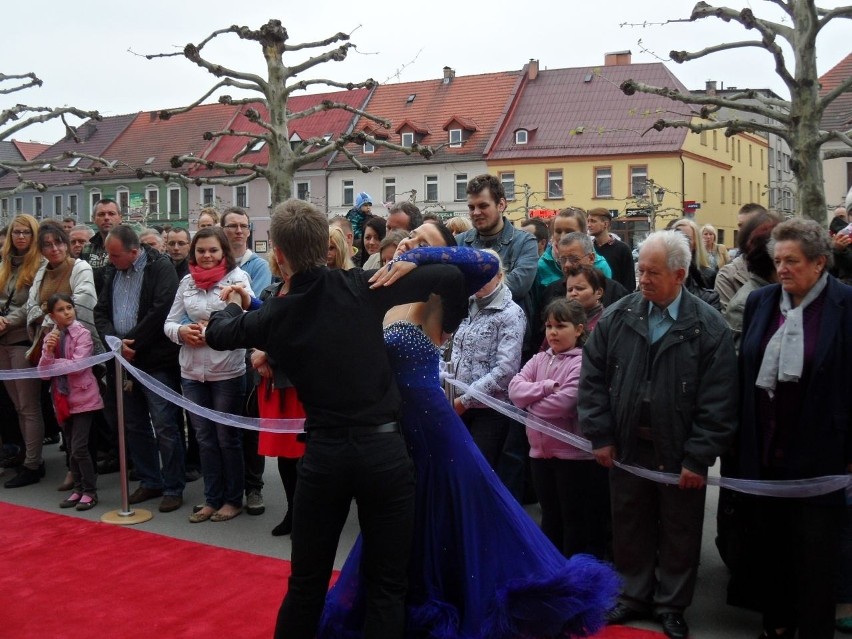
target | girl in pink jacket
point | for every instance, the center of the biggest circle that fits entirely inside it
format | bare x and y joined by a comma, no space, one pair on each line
573,490
76,396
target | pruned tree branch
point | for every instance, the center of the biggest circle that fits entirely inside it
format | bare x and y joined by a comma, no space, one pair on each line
31,80
47,114
347,86
227,82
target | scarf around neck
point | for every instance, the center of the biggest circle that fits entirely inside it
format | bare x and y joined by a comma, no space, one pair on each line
784,357
206,278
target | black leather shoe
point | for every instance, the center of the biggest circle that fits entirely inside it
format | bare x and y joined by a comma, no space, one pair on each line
26,477
622,614
674,625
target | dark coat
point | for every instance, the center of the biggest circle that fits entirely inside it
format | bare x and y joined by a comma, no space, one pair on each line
692,384
154,351
821,444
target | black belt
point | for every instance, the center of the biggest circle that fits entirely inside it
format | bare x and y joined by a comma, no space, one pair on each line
345,431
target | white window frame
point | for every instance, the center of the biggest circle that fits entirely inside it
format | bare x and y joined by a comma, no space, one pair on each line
307,188
19,205
460,187
407,135
603,173
211,188
120,192
73,205
57,210
38,207
522,136
637,172
389,189
507,179
236,195
555,180
348,192
95,196
430,182
455,137
4,206
153,206
369,147
170,212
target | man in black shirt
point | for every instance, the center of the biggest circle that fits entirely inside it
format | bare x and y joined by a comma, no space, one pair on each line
354,446
616,253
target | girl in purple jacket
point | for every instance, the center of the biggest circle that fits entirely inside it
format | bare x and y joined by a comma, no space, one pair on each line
571,487
76,396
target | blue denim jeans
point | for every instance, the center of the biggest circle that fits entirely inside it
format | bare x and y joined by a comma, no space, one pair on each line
153,435
220,447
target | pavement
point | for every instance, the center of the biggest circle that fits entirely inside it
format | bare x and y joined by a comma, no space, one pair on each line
709,617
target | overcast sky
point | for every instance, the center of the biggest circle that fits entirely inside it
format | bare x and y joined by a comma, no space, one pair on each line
80,49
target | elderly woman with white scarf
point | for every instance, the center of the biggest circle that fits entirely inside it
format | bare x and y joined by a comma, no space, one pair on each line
795,422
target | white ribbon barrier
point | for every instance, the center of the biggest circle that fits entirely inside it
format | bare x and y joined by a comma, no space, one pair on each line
780,488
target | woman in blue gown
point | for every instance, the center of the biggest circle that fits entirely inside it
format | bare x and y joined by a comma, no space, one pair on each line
480,567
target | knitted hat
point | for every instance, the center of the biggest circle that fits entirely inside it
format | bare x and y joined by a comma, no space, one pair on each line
363,198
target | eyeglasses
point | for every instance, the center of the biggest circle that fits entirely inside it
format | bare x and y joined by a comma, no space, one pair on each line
23,233
52,245
573,259
178,243
234,227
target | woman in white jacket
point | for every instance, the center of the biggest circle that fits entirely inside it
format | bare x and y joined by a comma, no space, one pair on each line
213,379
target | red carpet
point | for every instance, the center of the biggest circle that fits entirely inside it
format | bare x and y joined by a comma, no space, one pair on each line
64,577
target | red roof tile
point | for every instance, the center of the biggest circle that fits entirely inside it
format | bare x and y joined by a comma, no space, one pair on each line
94,136
476,99
583,112
30,150
150,142
838,114
332,122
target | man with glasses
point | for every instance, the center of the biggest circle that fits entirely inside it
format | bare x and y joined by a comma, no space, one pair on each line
78,238
177,246
575,249
235,222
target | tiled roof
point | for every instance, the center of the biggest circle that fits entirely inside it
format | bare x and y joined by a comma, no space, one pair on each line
332,122
94,136
477,100
560,103
838,114
30,150
8,151
150,142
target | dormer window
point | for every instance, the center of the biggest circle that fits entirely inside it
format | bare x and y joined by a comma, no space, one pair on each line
369,147
522,136
408,138
455,138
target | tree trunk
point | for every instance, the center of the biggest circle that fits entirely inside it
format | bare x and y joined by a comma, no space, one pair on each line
806,115
281,168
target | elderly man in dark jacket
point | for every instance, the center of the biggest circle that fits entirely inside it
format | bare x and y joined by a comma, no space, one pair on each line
138,292
658,390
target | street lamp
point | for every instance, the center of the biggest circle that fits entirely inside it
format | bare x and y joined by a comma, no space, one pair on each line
650,196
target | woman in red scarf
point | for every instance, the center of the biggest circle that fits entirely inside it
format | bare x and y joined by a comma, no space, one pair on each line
211,379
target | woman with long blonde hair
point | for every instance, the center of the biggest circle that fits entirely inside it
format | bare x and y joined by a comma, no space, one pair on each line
338,251
21,260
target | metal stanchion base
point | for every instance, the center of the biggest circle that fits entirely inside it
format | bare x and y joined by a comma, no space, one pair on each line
127,518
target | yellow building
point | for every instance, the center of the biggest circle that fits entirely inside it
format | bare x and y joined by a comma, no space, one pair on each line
573,138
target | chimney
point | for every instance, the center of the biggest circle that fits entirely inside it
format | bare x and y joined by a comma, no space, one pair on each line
617,58
532,69
710,88
449,74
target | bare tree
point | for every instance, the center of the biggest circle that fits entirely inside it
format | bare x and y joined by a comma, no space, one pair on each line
18,117
270,95
796,120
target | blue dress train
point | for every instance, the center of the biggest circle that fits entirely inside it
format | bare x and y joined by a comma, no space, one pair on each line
480,567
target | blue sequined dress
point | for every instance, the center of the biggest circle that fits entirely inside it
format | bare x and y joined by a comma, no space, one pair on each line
480,567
